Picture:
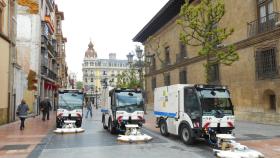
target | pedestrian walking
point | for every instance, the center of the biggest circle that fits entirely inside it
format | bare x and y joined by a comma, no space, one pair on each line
45,106
89,108
22,111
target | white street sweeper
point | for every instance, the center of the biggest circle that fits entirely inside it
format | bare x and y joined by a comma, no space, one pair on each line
123,112
194,111
69,114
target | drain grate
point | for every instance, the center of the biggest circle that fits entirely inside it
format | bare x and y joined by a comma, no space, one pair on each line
15,147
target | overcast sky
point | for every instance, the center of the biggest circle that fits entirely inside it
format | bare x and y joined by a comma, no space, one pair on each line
110,24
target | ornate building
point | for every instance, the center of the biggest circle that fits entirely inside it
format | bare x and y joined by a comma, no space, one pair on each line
254,80
96,70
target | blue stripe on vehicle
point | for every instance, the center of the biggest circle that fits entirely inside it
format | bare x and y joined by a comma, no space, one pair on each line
103,110
164,114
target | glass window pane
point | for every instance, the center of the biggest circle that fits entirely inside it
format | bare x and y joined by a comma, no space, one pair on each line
262,14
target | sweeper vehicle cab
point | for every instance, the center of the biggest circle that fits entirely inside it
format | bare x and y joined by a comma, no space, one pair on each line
69,114
194,111
121,106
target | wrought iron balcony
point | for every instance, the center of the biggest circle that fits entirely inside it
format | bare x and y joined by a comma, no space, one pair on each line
44,70
264,24
44,62
52,75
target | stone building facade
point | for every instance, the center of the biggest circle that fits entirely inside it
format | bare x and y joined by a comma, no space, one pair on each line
62,67
7,48
96,70
254,80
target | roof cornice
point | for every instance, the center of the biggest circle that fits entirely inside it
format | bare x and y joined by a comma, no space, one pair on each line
166,13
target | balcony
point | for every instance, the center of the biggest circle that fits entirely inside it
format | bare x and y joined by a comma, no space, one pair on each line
44,62
52,75
44,70
264,24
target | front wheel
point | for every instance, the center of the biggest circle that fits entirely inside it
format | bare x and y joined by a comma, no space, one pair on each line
110,127
78,123
163,128
58,123
186,135
103,122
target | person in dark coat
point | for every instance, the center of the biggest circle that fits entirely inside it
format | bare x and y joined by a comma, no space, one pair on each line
22,111
45,107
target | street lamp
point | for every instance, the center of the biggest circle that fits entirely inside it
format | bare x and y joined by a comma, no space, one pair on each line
139,52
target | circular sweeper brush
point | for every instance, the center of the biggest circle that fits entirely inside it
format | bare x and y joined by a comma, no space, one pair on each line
68,128
133,134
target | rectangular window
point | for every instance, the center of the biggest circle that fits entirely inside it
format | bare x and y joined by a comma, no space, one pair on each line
266,16
167,79
266,64
183,50
213,73
154,83
91,79
153,65
183,77
167,54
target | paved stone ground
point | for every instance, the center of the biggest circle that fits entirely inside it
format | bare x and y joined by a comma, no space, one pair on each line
37,137
261,137
97,142
15,143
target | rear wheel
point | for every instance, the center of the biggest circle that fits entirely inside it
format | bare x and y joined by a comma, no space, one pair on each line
163,128
186,134
111,128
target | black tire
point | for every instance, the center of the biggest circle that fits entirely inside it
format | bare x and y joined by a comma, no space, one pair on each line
58,125
110,127
186,134
78,123
103,122
163,128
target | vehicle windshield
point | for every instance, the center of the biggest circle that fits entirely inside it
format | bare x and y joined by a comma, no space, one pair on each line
129,99
70,101
216,101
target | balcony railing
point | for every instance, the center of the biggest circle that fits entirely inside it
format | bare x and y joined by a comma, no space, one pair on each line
52,75
44,70
44,62
264,24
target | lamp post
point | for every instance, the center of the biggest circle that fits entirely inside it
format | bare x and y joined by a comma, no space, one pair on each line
96,97
140,65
